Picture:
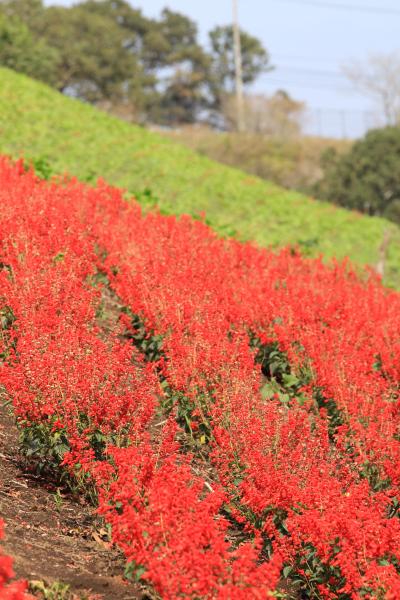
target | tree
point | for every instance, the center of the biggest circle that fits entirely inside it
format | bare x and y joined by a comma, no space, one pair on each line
141,46
185,89
379,78
93,63
29,12
20,51
367,178
97,57
130,67
107,52
137,30
255,60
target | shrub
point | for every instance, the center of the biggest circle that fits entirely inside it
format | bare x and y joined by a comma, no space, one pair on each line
366,178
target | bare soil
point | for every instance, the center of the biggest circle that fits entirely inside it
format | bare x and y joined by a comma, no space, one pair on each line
52,536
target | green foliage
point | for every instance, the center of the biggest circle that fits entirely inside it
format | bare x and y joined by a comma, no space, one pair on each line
291,161
147,198
185,91
335,415
7,317
286,383
394,509
36,121
42,167
283,381
367,177
146,341
373,474
58,500
44,447
29,12
255,59
19,50
54,591
7,320
192,416
133,571
148,69
88,67
309,572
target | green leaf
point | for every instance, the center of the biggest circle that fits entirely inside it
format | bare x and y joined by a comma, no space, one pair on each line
284,398
290,380
287,570
267,391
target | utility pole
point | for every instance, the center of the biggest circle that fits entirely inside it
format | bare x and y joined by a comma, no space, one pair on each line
344,124
238,69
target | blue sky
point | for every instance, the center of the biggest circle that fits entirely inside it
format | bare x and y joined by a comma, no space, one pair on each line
308,41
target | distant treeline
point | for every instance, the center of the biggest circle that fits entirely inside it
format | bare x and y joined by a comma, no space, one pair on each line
108,53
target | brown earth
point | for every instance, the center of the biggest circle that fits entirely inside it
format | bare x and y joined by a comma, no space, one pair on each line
52,536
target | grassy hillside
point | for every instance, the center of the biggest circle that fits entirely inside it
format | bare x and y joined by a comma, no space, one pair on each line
36,121
293,162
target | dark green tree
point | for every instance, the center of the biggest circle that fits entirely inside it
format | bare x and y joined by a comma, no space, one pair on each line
183,70
111,51
19,50
139,43
255,60
29,12
108,52
136,28
171,67
93,64
367,178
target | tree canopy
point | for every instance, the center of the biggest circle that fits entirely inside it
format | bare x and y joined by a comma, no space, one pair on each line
366,178
19,50
108,52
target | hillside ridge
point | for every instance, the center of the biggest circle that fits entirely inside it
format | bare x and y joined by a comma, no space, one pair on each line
39,123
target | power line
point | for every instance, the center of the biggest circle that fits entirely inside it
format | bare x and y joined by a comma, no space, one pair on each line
349,7
340,122
314,85
308,78
349,111
305,75
305,58
307,71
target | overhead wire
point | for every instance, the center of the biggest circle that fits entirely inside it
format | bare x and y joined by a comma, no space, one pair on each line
303,58
304,75
306,84
307,71
382,10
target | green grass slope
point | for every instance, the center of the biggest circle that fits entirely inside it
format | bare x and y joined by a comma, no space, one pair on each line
37,122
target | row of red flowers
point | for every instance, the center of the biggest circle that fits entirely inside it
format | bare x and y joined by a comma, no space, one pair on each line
61,371
310,477
204,296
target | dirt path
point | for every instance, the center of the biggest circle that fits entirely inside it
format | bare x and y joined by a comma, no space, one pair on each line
51,536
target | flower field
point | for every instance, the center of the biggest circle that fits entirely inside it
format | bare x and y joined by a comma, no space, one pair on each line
237,420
